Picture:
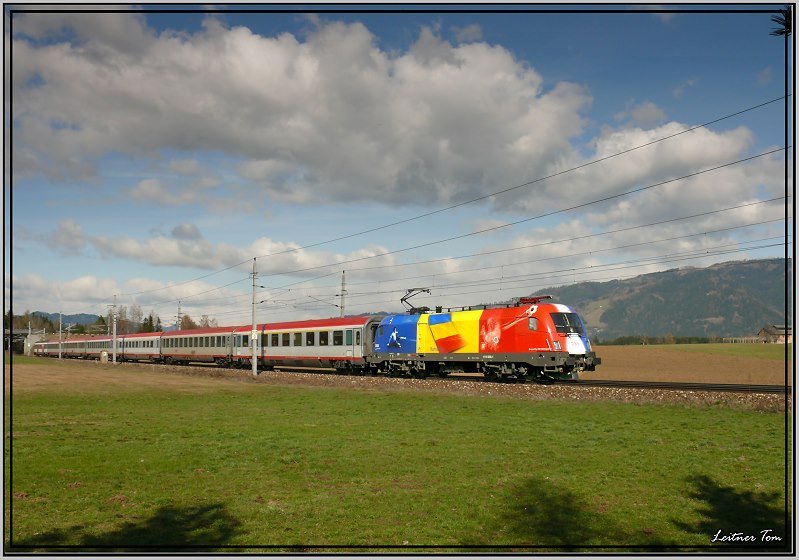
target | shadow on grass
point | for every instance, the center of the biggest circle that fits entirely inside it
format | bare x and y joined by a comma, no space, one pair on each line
542,516
172,528
729,515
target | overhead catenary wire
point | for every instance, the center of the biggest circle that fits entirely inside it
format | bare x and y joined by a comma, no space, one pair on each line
551,242
481,198
446,290
525,220
487,288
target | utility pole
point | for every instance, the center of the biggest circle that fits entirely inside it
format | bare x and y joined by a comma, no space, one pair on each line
114,329
254,333
179,316
343,291
59,335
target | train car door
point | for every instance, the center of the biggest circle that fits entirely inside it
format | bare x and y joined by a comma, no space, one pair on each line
349,343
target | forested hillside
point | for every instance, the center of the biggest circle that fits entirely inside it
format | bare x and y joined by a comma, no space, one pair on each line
728,299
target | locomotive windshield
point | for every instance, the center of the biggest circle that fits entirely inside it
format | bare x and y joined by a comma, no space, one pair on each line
566,323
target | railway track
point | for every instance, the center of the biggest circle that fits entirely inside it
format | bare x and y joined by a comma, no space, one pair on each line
655,385
662,385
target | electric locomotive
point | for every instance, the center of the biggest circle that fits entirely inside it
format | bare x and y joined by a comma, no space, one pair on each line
527,339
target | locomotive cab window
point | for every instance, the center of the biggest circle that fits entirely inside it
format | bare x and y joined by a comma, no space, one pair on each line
566,323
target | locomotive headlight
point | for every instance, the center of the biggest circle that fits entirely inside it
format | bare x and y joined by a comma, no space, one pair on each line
556,344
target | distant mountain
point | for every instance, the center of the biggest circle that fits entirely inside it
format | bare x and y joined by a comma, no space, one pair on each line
728,299
735,298
78,319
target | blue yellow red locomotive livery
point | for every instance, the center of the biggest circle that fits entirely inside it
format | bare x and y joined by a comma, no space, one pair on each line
526,339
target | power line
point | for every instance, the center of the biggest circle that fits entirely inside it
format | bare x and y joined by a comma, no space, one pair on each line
497,193
525,220
527,184
553,242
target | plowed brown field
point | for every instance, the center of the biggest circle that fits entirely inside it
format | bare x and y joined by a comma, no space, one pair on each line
657,363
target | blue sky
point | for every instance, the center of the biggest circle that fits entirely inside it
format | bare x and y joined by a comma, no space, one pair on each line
153,154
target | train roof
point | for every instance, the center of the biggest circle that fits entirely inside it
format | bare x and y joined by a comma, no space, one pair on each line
317,323
205,331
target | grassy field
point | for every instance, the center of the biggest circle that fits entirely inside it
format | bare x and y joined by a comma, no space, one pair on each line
167,461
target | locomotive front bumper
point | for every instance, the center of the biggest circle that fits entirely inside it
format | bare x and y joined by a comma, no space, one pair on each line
589,361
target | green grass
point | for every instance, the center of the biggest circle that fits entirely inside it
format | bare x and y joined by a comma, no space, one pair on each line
768,351
296,467
22,359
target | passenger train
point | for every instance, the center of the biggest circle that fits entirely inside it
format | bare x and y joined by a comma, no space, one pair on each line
526,339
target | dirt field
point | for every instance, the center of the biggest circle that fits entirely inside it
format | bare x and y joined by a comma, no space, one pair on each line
656,363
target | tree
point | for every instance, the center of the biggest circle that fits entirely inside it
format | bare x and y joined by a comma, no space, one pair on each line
151,323
186,323
136,317
34,320
784,22
205,322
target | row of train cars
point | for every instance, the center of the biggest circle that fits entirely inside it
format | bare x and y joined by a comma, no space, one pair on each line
528,339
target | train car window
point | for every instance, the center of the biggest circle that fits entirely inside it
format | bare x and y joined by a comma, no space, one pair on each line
245,341
348,337
310,339
323,336
357,338
338,338
286,339
297,339
275,339
532,323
